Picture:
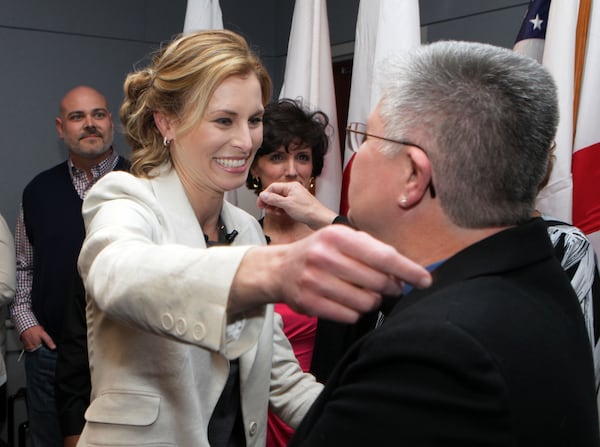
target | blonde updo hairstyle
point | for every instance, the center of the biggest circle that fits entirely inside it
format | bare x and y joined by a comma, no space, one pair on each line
179,83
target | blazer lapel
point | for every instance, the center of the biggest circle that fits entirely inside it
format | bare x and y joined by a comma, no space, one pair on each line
181,222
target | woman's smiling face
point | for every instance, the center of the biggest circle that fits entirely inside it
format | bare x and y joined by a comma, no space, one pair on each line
216,153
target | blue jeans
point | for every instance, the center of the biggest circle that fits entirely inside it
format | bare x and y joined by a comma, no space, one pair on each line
44,427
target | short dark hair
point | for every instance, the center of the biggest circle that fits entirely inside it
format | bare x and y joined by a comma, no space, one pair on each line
287,122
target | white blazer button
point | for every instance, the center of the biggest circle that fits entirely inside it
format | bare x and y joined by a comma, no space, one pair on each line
199,332
167,321
180,326
253,428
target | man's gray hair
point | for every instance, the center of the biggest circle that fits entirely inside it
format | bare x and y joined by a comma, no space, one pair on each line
486,116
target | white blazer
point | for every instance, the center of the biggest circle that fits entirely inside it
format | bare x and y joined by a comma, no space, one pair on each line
159,336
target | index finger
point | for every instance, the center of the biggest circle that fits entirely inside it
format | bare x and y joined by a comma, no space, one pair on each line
47,339
385,259
281,188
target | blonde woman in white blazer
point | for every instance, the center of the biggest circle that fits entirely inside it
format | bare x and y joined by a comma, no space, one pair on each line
183,346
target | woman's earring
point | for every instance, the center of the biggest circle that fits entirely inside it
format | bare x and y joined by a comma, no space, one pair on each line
166,142
256,183
403,201
311,185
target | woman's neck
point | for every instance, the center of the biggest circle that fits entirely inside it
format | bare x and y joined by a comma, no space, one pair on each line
205,201
207,208
282,229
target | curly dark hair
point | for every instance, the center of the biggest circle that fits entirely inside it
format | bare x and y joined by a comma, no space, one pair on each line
287,122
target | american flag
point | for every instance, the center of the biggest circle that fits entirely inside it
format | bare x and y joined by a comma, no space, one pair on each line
570,51
530,40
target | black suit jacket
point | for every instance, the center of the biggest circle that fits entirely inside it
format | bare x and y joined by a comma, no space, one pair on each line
495,353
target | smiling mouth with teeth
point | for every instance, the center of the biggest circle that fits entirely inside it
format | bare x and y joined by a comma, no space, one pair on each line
231,163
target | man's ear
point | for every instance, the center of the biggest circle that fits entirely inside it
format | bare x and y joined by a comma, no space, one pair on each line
163,123
59,128
418,182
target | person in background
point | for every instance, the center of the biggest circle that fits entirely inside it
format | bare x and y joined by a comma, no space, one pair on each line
579,260
73,385
48,237
293,150
496,351
7,292
182,344
294,145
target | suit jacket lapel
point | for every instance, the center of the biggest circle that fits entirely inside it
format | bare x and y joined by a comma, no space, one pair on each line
177,209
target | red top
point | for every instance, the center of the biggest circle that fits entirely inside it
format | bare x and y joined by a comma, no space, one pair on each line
301,331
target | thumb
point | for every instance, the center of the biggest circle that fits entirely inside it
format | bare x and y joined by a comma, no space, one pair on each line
270,198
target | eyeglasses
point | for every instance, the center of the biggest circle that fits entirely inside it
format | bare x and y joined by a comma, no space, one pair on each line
356,135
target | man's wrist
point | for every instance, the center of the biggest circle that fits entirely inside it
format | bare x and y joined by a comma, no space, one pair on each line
24,323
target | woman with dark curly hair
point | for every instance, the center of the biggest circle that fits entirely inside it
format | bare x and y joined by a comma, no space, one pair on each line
293,150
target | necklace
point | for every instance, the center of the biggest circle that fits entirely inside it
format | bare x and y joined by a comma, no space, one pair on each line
224,238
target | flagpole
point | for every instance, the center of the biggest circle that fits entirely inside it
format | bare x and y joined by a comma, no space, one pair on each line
581,37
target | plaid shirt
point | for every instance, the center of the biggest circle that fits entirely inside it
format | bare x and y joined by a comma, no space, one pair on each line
20,309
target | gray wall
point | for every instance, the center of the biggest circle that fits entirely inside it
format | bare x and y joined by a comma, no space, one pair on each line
49,47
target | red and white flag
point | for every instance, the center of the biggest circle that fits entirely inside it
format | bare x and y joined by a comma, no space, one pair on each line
309,77
586,146
571,52
383,28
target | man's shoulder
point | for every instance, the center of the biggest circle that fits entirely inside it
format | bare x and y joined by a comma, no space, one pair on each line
480,306
46,180
48,174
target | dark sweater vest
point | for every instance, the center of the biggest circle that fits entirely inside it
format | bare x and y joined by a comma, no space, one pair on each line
54,225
